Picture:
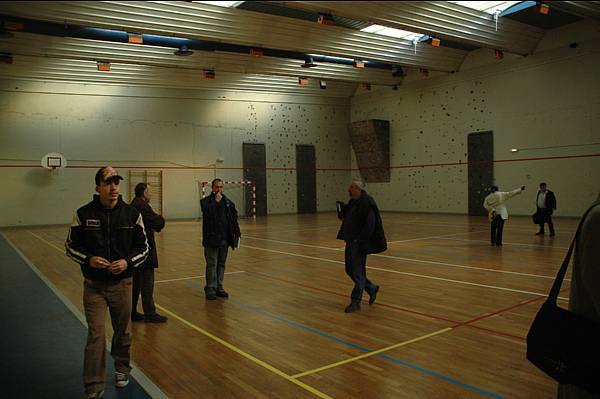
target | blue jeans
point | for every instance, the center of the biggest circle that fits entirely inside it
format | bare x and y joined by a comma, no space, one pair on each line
356,263
215,268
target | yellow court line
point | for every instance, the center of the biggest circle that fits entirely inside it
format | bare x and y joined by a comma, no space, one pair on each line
353,359
245,354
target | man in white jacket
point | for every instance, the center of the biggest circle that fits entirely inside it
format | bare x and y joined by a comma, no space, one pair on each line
494,203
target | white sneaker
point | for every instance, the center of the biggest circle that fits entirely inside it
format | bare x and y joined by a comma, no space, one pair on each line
121,379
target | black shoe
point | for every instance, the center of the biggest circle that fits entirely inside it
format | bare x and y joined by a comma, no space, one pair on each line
222,294
211,297
373,295
498,245
353,307
155,318
137,316
539,233
552,234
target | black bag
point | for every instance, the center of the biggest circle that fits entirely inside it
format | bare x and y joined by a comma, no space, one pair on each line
537,217
564,345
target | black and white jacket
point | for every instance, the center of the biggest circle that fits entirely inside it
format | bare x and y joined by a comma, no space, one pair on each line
113,234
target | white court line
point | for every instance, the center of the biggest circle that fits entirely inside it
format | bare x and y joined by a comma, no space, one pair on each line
506,243
408,274
292,243
418,260
62,250
145,382
193,277
432,237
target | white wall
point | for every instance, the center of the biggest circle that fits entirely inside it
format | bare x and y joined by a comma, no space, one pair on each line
125,126
548,99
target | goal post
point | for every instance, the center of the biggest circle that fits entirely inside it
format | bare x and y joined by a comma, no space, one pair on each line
238,192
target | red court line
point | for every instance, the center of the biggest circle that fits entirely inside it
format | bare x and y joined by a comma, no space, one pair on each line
459,163
399,308
505,309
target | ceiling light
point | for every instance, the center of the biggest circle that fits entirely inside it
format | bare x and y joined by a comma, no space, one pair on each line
489,7
514,150
228,4
183,51
391,32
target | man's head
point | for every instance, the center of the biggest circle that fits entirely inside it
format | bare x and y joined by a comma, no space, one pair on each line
543,187
356,188
494,189
142,190
107,183
217,186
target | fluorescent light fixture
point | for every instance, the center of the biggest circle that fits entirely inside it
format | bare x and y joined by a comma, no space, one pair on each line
228,4
391,32
514,150
489,7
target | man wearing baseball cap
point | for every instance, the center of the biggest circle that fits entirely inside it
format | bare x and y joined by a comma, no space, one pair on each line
107,239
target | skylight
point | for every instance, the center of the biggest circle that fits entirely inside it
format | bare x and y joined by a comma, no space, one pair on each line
391,32
229,4
486,6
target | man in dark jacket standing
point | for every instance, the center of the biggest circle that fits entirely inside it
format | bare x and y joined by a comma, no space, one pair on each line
107,239
546,204
143,276
220,230
362,230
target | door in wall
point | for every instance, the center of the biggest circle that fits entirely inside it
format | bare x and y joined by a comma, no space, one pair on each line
306,178
481,170
255,169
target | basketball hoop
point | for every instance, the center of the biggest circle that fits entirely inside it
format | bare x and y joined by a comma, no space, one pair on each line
53,162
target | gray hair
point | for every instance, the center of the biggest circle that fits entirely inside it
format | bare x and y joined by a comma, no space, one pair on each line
359,183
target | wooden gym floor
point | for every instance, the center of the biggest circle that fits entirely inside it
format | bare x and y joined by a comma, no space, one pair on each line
450,319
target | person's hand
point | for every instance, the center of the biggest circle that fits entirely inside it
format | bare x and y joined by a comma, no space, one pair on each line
118,266
98,262
522,188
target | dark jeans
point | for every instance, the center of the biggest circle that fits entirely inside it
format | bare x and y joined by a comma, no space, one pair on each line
546,217
497,227
356,263
215,268
143,281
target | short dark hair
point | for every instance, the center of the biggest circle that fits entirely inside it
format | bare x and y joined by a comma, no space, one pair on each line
494,189
140,188
543,184
215,181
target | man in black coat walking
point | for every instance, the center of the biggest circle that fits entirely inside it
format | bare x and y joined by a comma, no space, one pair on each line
143,276
362,230
220,230
546,204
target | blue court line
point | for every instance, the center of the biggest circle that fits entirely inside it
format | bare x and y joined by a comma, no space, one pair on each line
393,359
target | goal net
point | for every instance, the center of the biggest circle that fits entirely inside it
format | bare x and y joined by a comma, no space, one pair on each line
242,193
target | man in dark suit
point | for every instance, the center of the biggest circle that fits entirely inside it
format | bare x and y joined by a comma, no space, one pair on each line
362,230
546,204
220,230
143,276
